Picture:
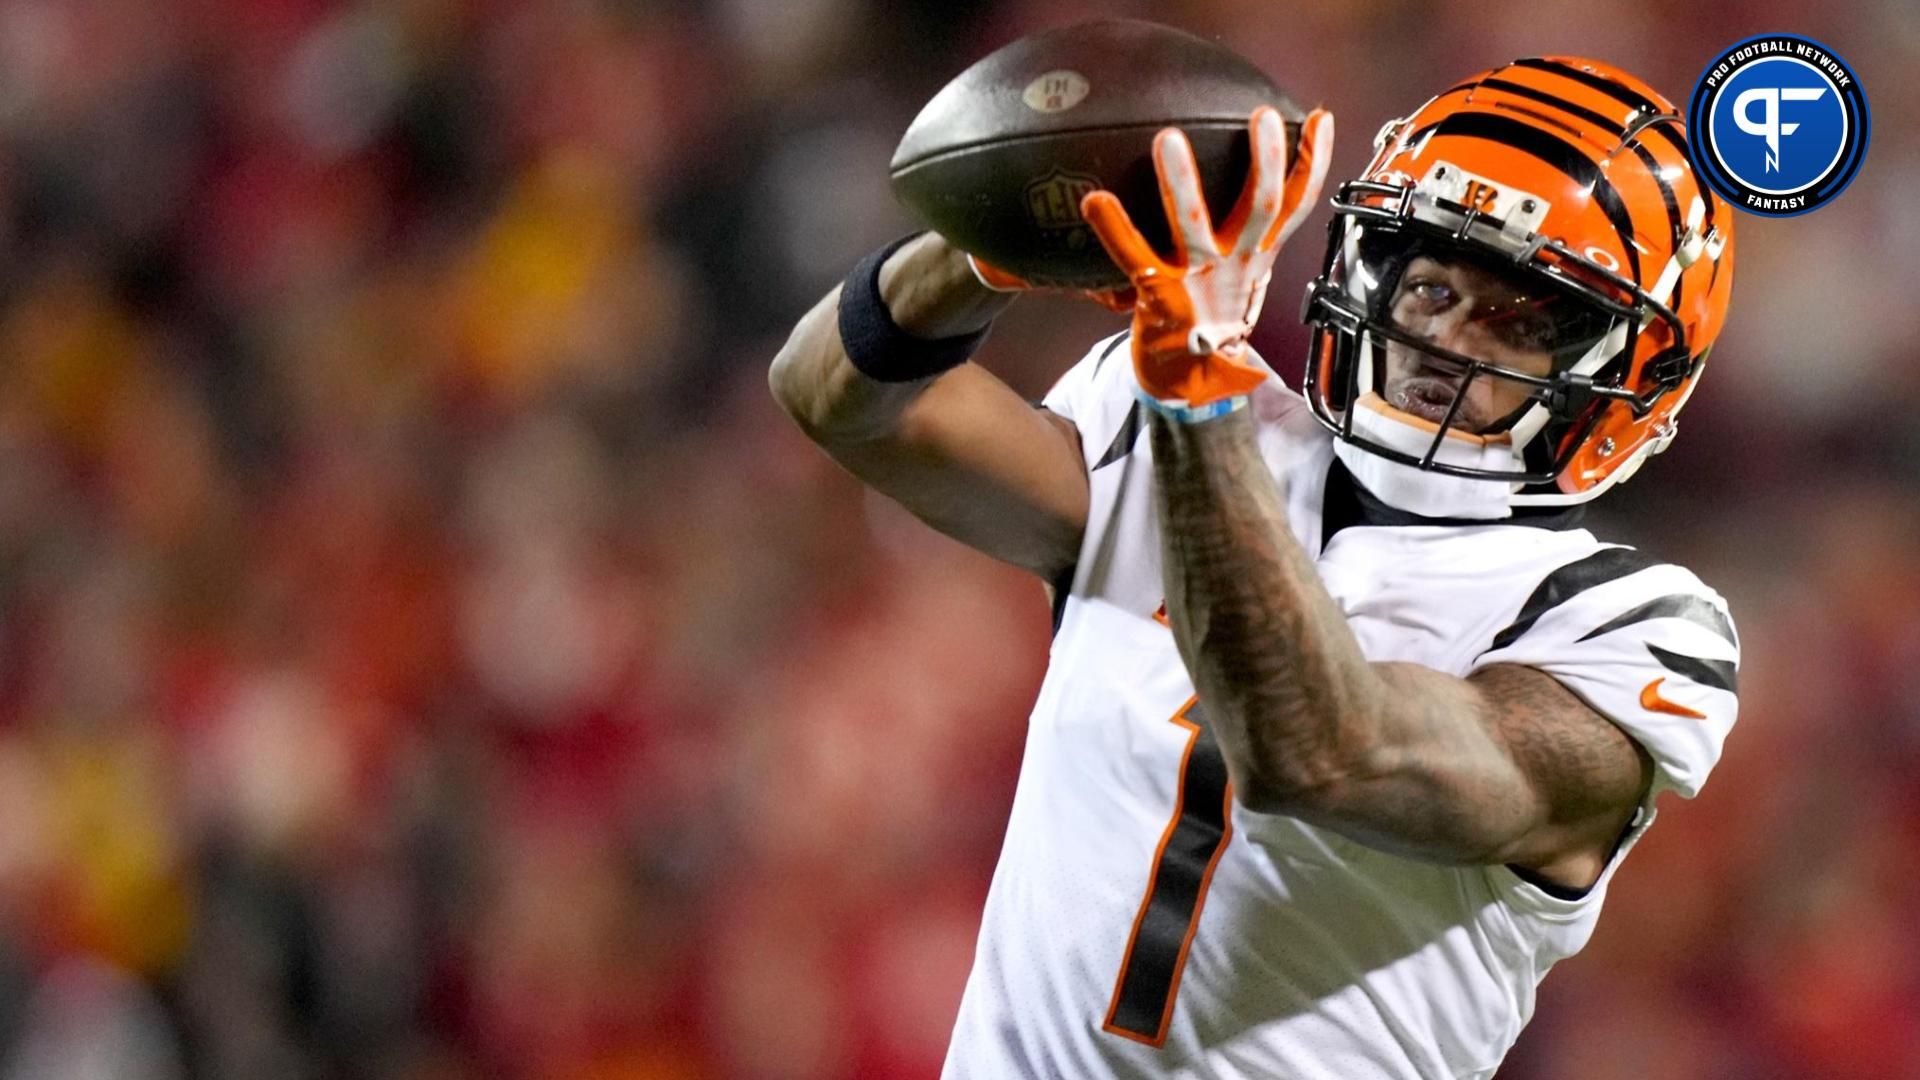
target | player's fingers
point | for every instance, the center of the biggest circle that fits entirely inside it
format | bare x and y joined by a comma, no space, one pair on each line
1180,192
1257,301
1304,180
1259,206
1128,249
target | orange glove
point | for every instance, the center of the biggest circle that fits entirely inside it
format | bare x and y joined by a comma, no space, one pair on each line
1118,301
1194,315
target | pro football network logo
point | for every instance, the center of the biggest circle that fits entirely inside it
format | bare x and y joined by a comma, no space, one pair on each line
1779,125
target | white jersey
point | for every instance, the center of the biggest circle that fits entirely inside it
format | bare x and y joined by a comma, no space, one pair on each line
1143,924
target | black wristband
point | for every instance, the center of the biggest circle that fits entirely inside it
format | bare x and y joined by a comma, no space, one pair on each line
879,349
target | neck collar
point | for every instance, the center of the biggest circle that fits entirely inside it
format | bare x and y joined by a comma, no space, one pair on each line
1348,502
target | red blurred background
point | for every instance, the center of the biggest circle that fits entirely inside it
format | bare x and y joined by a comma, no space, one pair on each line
427,653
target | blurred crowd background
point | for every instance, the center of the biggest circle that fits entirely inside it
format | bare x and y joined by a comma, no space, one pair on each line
427,653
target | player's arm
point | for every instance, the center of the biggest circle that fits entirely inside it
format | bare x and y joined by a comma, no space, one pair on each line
960,450
1504,767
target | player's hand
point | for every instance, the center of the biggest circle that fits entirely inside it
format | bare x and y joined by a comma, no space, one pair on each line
1194,314
1119,301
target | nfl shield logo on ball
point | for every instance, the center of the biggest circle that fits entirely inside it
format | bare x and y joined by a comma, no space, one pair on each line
1053,201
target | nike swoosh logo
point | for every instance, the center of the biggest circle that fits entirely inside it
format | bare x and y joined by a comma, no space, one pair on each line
1651,700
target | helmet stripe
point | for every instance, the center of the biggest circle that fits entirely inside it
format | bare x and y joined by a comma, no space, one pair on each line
1553,151
1557,102
1675,132
1628,136
1672,204
1666,190
1624,94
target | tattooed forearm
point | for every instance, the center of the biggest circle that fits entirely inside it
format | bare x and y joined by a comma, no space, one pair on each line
1292,698
1507,766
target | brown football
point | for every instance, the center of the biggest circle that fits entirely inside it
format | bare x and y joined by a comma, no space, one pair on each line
998,160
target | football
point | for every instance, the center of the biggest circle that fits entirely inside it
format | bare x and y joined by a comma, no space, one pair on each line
999,159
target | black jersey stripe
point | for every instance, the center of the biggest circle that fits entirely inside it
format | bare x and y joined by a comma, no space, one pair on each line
1062,585
1719,674
1123,440
1554,151
1176,890
1346,503
1599,568
1119,339
1135,422
1693,609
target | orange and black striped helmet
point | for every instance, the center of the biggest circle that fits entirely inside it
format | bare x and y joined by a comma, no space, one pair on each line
1531,246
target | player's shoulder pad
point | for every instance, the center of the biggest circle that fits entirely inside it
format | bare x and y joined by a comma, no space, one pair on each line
1619,590
1644,642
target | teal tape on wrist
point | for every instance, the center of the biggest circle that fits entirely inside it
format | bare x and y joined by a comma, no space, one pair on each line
1192,414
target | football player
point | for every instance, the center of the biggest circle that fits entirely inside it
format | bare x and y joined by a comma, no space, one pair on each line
1348,722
